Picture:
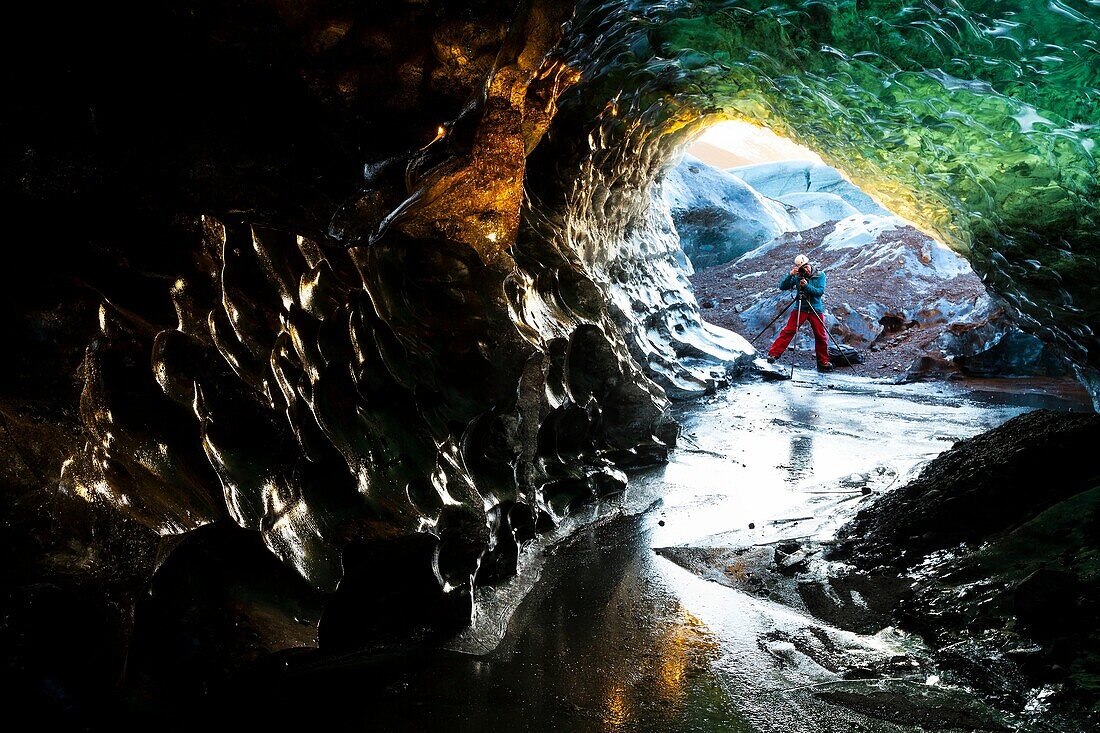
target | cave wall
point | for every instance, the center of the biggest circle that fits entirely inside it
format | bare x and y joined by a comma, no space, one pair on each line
268,293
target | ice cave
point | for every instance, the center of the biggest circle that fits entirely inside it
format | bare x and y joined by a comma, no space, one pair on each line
387,365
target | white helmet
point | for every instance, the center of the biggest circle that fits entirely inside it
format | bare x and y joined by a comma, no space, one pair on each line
801,260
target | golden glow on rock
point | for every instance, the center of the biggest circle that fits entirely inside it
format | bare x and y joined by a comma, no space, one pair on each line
683,645
440,133
617,714
475,198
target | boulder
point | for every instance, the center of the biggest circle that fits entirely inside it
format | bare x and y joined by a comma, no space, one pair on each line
980,486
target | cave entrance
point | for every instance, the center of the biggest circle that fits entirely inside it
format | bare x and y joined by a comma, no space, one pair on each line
746,200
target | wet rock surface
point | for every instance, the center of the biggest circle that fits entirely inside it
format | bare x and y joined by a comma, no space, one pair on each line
1007,646
996,537
675,608
917,704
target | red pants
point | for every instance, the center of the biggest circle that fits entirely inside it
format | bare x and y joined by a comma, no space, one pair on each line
821,343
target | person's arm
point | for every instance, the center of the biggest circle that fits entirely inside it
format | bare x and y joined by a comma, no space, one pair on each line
788,282
816,286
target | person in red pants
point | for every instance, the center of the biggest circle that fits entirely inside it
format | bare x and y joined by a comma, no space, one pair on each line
811,287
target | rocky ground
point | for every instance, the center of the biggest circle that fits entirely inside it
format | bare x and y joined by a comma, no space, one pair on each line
912,308
727,291
998,541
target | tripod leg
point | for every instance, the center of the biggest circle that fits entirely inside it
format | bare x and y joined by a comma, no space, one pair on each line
831,337
753,341
797,324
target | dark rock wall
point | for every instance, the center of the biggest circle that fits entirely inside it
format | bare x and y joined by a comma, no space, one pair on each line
978,488
995,544
266,285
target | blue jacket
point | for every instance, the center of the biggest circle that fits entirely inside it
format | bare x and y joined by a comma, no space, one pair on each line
815,288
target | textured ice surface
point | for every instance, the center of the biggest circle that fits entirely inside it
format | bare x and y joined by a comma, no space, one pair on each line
820,207
779,179
719,217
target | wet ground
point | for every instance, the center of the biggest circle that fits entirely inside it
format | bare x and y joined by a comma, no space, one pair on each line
656,616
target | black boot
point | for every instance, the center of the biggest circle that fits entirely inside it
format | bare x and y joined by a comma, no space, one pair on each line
771,359
824,366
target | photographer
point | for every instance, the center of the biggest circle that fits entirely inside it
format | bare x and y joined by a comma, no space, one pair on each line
811,286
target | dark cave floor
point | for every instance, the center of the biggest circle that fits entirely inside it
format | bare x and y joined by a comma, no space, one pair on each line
663,614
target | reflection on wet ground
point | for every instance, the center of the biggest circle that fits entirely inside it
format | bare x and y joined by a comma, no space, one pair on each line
616,637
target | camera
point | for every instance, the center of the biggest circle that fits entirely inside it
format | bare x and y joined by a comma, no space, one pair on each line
804,271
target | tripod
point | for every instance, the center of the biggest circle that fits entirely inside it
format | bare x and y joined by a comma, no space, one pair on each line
798,299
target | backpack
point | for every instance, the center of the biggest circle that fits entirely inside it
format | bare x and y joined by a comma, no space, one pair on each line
844,355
